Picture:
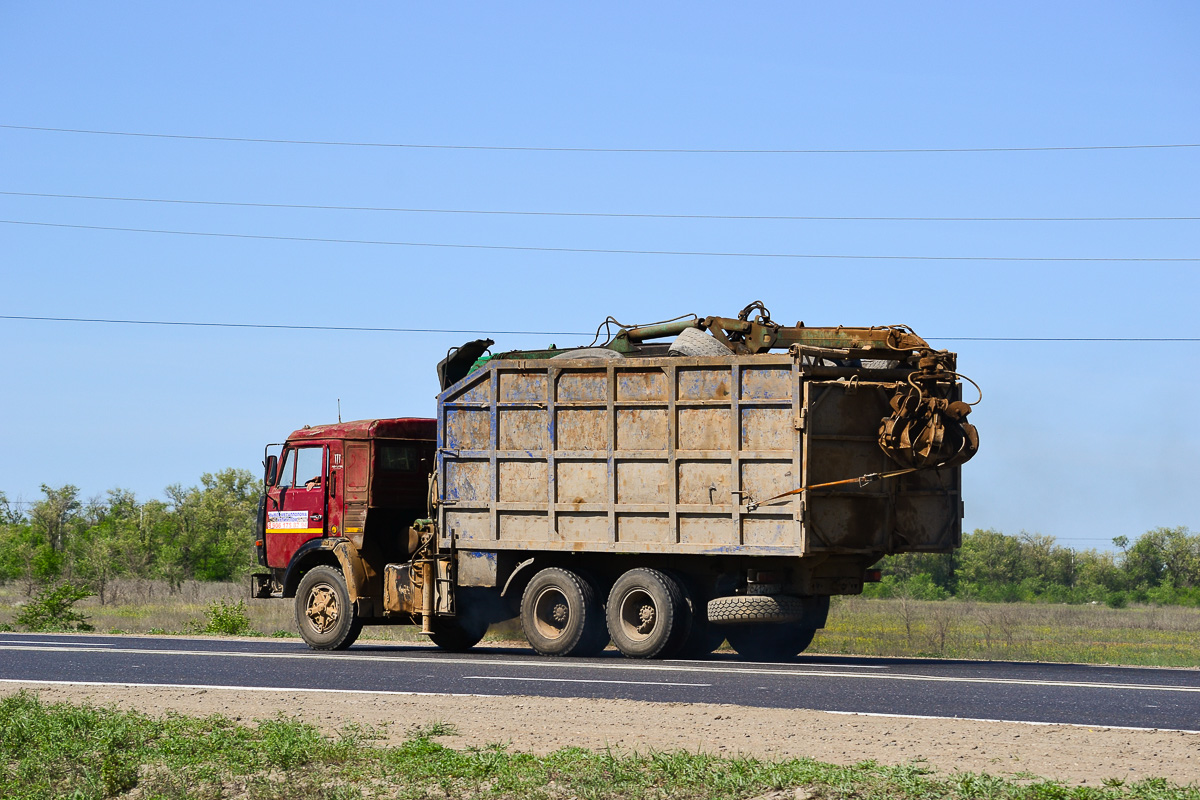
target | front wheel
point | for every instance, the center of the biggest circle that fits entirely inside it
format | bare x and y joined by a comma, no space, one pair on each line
324,613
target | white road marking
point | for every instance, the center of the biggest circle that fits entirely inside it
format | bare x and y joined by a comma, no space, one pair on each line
831,666
578,680
218,686
45,642
293,689
552,664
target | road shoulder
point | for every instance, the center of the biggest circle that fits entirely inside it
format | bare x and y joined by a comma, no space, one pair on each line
1074,755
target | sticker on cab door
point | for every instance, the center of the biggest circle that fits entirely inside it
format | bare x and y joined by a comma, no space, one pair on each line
286,520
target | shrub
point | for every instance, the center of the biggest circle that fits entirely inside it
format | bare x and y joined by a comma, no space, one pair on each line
227,618
917,587
53,609
1116,600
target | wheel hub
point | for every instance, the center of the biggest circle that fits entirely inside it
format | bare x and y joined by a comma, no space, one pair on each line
322,608
639,615
646,616
552,613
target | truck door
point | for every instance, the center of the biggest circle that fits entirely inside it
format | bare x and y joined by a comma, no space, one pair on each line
296,504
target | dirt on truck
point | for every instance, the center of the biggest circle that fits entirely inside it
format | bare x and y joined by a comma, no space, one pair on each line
671,487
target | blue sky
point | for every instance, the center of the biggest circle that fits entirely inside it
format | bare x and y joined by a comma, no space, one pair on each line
1083,441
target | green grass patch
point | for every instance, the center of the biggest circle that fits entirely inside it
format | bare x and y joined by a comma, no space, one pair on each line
227,618
1090,634
1138,634
62,750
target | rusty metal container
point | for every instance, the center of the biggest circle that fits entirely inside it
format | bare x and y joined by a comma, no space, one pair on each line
677,455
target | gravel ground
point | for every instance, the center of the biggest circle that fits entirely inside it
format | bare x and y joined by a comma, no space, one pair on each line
1074,755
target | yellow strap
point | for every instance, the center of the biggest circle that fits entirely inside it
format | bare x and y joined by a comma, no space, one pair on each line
861,480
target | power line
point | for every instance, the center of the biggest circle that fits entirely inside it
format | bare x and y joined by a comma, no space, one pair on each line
367,329
607,251
528,148
1058,339
183,323
607,214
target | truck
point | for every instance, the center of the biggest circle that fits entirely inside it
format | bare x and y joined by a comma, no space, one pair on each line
670,488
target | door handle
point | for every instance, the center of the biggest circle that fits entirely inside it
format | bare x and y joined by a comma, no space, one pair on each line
315,517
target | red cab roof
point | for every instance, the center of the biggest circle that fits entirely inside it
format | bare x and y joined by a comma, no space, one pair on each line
401,428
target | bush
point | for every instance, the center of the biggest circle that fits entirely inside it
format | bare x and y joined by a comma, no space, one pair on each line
53,610
917,587
227,618
1171,595
1116,600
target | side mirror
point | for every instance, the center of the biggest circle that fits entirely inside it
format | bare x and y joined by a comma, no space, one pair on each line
272,465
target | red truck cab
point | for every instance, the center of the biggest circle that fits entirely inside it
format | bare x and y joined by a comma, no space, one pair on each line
345,480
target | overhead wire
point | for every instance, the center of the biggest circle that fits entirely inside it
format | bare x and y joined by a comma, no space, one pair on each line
355,328
603,250
538,148
373,329
604,214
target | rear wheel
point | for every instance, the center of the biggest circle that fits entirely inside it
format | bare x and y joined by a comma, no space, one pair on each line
770,642
561,616
324,613
475,610
648,614
704,637
457,635
702,641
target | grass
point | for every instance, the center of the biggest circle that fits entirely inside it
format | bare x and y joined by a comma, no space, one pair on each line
85,752
142,606
1094,634
199,607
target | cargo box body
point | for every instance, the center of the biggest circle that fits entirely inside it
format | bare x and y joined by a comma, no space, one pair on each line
670,455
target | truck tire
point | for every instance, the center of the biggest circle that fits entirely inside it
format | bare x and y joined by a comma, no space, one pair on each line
695,342
703,637
770,642
324,613
648,615
749,608
476,610
595,353
455,635
561,616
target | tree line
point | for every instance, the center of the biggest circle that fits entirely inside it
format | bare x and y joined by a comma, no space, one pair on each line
1162,566
203,532
206,532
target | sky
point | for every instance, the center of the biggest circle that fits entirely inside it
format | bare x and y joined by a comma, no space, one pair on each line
1084,441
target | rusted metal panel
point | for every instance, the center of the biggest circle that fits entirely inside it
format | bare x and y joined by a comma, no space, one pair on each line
670,455
397,428
476,568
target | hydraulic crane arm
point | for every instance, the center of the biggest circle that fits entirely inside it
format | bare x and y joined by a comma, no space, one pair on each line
744,335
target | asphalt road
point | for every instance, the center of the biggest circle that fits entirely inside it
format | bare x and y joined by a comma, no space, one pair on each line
1133,697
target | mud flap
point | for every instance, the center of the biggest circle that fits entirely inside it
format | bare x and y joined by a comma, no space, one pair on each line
260,585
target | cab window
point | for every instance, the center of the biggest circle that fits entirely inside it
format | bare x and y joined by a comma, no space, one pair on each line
302,468
399,458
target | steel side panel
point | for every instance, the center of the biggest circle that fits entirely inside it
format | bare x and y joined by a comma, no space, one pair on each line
650,455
